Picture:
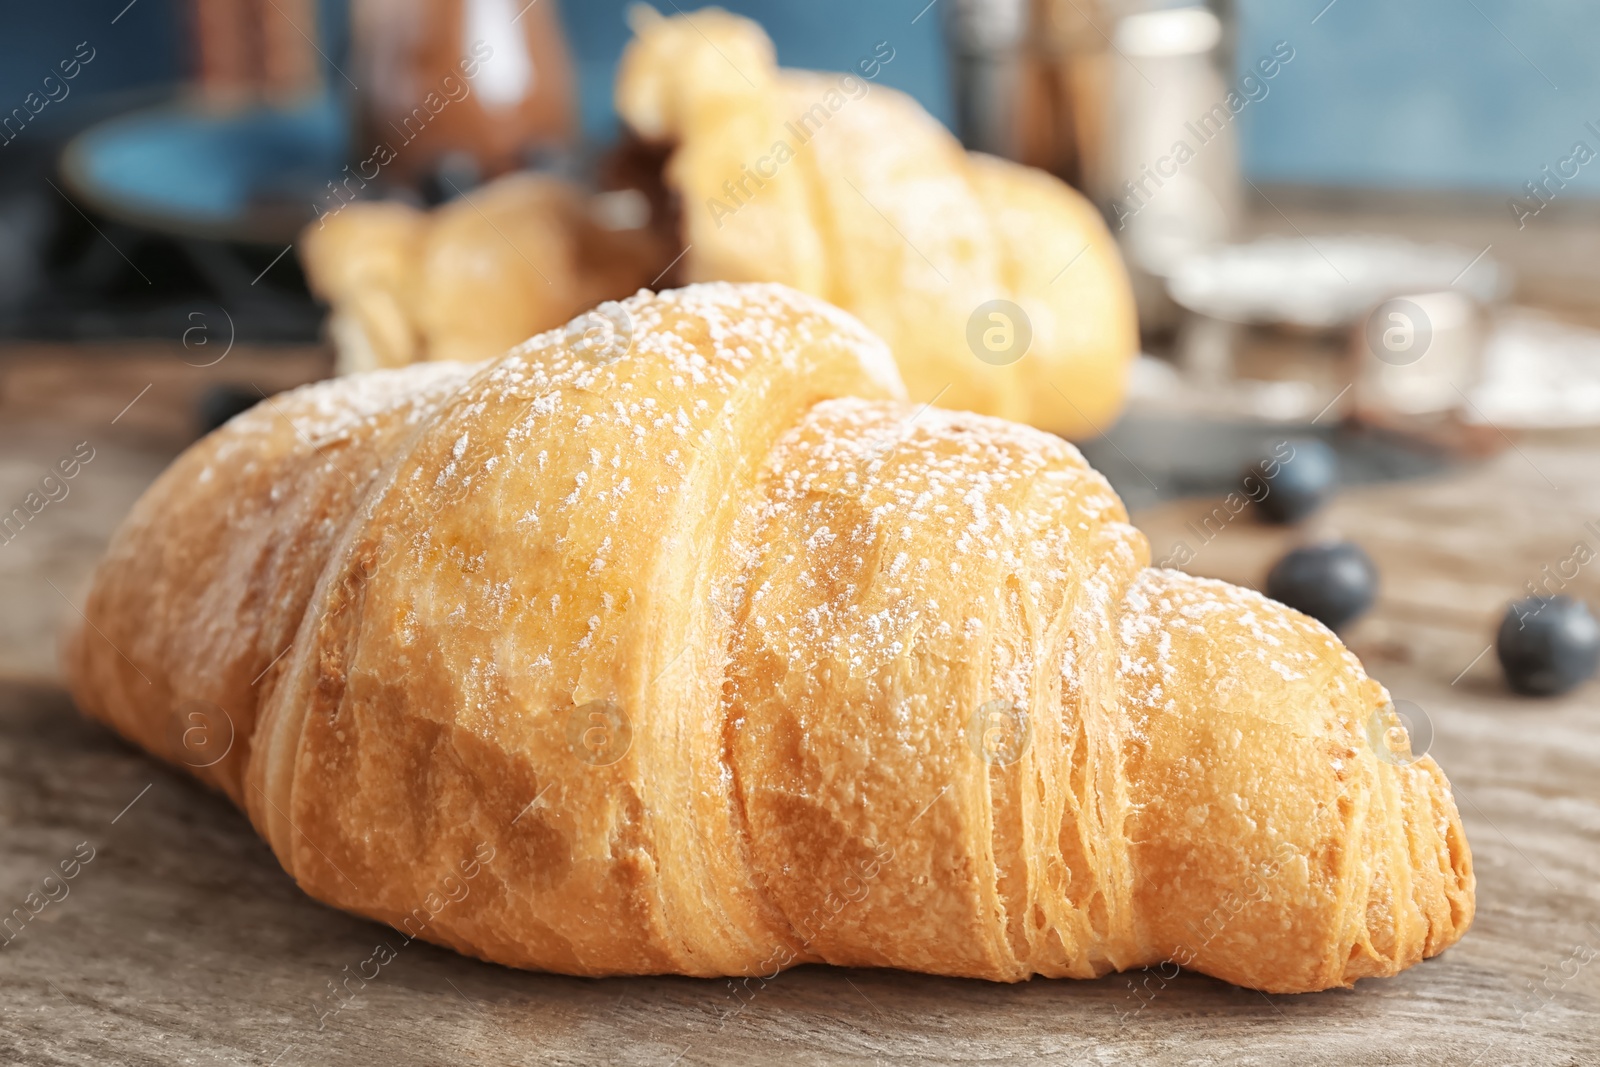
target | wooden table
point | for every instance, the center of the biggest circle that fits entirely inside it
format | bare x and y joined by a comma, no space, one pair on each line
182,941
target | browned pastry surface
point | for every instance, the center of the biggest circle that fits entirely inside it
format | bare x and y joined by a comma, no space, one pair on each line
707,653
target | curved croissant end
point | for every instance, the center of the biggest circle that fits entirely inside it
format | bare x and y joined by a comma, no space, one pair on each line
677,641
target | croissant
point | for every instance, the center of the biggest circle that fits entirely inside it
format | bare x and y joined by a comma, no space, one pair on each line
847,189
678,641
470,279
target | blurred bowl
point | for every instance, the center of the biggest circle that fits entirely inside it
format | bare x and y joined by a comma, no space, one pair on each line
181,168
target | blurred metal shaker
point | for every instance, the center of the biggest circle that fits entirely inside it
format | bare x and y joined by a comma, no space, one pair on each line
1104,103
1171,185
1031,81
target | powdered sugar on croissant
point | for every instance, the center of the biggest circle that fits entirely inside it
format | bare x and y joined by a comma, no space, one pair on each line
730,658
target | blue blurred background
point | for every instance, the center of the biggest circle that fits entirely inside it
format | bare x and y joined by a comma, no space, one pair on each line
1432,94
1470,95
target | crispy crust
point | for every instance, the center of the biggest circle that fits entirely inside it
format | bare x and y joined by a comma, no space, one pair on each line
688,661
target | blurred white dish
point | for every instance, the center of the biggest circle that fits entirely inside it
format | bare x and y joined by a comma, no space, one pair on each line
1538,373
1324,282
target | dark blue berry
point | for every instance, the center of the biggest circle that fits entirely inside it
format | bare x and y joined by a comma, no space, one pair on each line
1333,583
1292,479
1547,645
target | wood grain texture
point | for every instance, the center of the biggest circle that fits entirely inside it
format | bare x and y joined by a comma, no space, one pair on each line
182,940
135,404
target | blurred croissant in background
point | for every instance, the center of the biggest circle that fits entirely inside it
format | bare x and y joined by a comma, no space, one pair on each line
473,277
998,287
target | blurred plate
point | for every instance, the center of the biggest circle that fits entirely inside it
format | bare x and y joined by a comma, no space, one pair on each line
1539,373
1325,282
1151,458
250,175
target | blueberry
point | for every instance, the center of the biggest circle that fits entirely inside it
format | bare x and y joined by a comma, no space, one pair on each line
1292,479
1333,583
1547,645
219,403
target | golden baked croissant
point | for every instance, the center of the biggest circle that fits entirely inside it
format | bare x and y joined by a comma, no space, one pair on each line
847,189
471,278
679,642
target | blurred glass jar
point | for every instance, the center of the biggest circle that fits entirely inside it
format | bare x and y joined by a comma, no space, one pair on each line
1417,356
1031,79
475,86
247,51
1172,184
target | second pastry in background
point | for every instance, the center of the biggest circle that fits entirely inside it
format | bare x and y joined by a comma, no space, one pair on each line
470,278
998,287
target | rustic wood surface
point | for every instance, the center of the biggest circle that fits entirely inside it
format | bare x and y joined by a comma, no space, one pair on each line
181,940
